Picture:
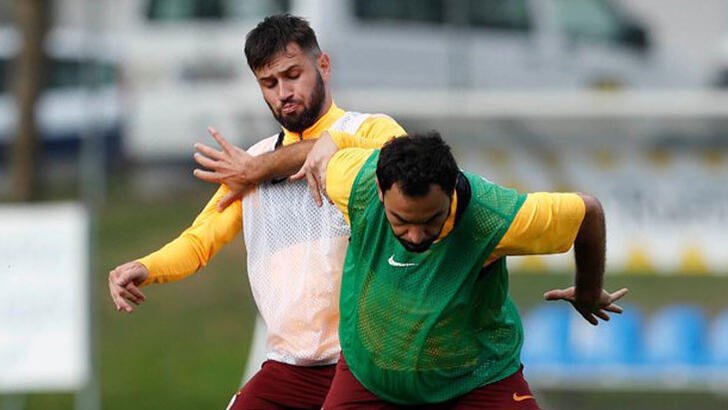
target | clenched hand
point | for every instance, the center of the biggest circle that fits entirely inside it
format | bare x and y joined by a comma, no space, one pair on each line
124,283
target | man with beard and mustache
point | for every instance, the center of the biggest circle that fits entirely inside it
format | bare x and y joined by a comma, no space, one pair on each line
295,249
426,319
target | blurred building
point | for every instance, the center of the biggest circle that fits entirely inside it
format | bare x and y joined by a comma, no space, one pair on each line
504,81
181,66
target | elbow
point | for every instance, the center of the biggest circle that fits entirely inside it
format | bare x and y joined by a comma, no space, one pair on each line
592,226
592,206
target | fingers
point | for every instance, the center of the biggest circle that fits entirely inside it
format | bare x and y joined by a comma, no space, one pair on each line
602,315
221,140
614,308
322,184
207,176
589,311
227,200
114,293
134,290
313,184
209,151
313,187
589,317
298,175
121,304
326,195
615,296
123,288
127,295
206,162
559,294
117,295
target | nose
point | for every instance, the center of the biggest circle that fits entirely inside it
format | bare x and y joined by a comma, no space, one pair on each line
416,235
284,90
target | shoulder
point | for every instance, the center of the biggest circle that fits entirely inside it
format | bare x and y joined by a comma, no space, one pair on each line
381,120
494,201
353,122
264,145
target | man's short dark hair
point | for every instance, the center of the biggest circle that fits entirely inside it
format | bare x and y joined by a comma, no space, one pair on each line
274,34
415,162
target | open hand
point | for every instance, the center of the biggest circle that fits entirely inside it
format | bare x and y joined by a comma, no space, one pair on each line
589,309
232,166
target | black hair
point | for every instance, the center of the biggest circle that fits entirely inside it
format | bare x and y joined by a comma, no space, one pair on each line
415,162
274,34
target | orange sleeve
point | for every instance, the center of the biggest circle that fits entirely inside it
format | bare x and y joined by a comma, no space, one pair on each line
194,247
546,223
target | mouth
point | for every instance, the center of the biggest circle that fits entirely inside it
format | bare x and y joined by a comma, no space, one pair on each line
417,247
289,108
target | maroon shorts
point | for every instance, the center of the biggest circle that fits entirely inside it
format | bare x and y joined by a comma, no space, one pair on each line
510,393
283,386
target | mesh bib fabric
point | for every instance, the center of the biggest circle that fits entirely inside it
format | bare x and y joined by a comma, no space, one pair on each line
295,254
427,327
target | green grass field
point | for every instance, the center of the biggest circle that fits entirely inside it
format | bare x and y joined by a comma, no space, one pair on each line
185,348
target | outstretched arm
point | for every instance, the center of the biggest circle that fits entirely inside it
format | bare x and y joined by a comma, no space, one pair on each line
180,258
588,295
240,171
589,252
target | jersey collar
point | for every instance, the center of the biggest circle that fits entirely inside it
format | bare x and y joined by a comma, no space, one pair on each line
450,221
314,131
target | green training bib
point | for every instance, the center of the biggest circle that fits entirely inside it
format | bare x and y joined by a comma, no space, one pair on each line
427,327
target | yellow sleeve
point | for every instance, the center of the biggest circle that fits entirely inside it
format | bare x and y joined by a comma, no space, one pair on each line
195,247
546,223
341,172
380,128
373,133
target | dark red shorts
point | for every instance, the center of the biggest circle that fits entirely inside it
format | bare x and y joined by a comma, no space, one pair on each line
283,386
510,393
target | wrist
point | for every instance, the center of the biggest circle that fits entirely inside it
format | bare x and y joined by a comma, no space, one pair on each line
587,296
255,173
142,265
336,139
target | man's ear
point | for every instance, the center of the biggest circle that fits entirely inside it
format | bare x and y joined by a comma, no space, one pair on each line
323,63
379,191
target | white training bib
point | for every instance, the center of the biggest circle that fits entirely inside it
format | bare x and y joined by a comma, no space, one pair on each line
296,254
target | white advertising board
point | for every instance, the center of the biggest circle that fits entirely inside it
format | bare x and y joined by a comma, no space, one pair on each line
44,312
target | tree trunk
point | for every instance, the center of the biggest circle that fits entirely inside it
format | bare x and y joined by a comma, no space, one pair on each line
29,71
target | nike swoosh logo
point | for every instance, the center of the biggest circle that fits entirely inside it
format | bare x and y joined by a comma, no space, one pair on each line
393,262
517,397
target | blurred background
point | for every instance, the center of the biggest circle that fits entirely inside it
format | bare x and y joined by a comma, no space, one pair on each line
101,101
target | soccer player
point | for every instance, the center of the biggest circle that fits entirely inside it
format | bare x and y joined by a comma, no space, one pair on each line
425,313
295,250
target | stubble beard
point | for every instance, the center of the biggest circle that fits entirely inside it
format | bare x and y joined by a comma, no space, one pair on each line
300,122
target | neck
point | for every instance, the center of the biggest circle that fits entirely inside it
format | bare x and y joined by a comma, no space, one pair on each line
325,107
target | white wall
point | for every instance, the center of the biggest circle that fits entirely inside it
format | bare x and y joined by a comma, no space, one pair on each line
687,34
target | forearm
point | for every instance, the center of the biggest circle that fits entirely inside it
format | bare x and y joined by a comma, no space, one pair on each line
194,247
589,252
176,260
282,162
